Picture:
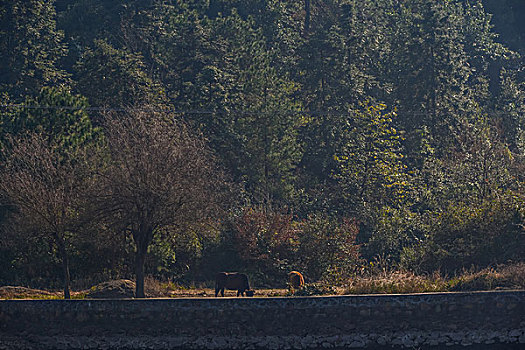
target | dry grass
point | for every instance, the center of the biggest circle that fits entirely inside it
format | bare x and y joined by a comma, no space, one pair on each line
208,292
393,282
501,277
157,289
396,283
498,278
12,292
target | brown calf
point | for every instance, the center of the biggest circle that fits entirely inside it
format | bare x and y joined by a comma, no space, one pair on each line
295,280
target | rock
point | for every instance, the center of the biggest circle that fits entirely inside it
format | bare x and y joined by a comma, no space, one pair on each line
381,340
432,339
397,341
454,337
116,289
407,342
503,338
357,344
466,342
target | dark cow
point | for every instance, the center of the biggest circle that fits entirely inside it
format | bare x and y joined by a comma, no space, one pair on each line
295,280
232,280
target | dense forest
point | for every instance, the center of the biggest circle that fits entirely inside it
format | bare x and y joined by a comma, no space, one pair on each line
179,138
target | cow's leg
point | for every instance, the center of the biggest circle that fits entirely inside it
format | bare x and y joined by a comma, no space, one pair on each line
216,291
222,291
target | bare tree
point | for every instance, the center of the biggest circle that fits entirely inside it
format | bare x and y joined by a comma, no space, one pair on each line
160,175
46,187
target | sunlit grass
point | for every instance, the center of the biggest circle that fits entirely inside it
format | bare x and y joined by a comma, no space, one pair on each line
18,293
396,283
503,277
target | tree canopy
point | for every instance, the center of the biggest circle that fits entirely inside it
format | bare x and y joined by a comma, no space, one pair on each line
387,128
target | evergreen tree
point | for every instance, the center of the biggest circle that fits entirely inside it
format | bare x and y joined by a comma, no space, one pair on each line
56,113
250,97
438,67
115,78
30,47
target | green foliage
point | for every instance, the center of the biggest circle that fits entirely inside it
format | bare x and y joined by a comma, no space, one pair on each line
87,20
372,172
115,77
63,118
464,236
510,107
392,232
29,261
254,127
30,47
176,252
470,208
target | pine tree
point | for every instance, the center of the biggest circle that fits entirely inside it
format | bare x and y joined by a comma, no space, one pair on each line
116,78
30,47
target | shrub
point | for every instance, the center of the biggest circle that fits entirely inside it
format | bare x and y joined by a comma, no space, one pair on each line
466,236
327,248
266,241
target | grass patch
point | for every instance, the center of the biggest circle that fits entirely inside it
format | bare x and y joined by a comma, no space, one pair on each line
12,292
501,277
396,283
310,289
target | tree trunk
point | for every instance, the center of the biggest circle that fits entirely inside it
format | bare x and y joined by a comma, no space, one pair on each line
65,265
140,259
306,17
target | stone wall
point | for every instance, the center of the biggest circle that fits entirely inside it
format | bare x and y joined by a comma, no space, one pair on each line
371,321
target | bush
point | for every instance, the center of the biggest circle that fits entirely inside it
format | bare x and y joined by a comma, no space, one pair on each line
466,236
268,245
327,248
266,242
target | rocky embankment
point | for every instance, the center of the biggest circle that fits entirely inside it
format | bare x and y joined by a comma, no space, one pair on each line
483,320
